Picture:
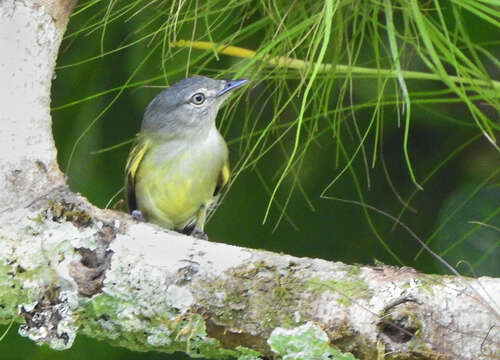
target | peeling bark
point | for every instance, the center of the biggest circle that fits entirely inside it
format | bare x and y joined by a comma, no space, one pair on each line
67,267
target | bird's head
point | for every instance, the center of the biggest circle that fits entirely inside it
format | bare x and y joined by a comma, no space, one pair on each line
188,107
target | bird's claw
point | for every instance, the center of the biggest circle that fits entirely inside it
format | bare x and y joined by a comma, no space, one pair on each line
199,234
137,215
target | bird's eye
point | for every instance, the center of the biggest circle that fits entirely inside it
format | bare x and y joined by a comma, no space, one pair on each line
198,98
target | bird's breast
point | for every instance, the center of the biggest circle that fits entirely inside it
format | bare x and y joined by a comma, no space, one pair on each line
175,180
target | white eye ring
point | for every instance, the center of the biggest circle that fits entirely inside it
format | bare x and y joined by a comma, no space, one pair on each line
198,98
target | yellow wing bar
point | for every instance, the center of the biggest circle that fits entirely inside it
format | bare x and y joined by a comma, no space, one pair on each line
134,161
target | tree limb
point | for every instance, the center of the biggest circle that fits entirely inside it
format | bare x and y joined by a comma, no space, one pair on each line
68,267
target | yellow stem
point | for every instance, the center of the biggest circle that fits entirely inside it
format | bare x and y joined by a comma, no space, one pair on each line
291,63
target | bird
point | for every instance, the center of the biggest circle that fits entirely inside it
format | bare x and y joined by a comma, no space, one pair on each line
179,165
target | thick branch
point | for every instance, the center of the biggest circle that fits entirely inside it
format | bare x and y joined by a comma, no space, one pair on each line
68,267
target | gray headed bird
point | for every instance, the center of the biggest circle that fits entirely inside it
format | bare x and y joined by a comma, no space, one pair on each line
179,163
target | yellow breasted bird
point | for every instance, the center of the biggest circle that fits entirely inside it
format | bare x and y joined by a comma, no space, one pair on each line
179,163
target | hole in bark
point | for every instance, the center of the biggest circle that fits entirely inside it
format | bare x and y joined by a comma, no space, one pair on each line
397,332
90,271
400,320
231,340
89,258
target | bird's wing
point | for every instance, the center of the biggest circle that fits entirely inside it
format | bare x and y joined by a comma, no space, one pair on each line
140,148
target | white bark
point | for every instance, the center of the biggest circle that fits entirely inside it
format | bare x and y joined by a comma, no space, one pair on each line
68,267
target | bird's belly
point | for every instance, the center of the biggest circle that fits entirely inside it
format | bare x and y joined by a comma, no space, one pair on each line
173,191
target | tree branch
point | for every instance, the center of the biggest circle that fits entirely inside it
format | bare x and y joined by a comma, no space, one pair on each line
68,267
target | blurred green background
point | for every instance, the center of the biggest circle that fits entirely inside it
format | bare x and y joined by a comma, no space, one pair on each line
463,190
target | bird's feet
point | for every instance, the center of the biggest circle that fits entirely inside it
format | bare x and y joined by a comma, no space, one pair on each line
137,215
199,234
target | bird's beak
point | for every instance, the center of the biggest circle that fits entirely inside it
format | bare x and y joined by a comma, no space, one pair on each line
231,85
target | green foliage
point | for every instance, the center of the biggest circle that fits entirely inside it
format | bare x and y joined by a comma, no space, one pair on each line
6,331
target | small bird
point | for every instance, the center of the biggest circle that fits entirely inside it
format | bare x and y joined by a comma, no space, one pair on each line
179,164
